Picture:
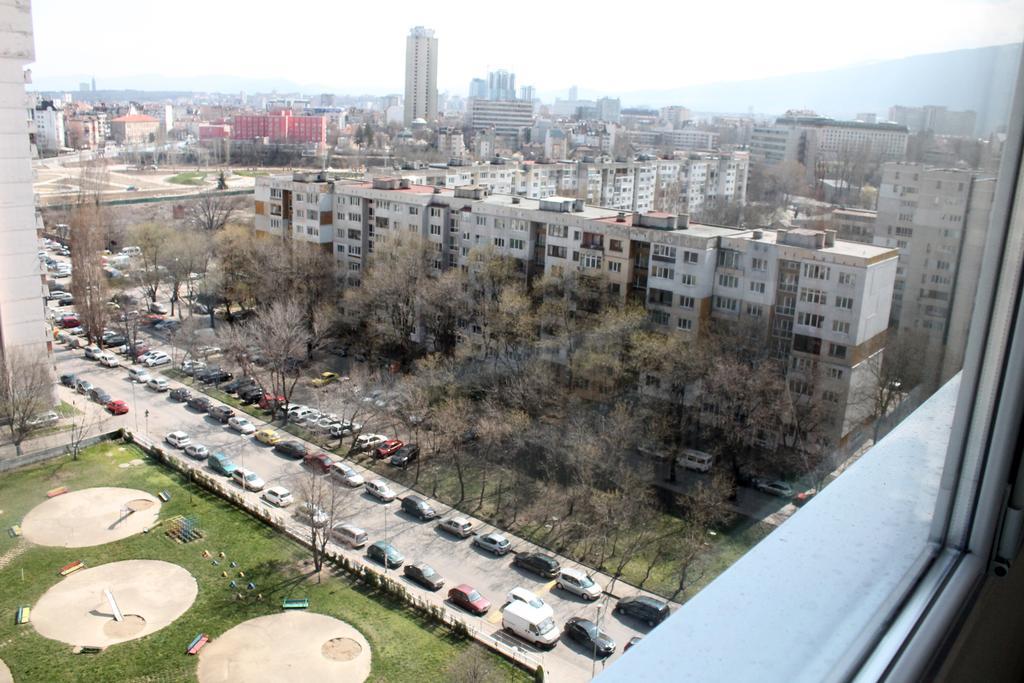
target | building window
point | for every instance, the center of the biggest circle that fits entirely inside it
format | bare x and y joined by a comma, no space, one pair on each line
841,326
690,257
757,287
848,279
354,266
724,303
810,319
591,261
435,229
816,271
689,280
615,266
615,245
728,280
753,310
844,302
659,317
759,264
837,350
684,324
686,302
499,241
435,212
663,252
835,373
557,252
517,244
728,258
354,250
813,296
663,272
558,231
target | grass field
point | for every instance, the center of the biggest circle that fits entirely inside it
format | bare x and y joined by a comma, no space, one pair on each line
188,178
405,646
251,174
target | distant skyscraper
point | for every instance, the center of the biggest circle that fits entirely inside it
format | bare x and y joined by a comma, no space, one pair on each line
501,85
420,75
528,93
94,84
83,87
478,88
574,93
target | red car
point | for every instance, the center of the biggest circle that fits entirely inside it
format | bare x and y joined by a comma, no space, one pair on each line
118,407
268,402
388,448
318,462
469,599
69,321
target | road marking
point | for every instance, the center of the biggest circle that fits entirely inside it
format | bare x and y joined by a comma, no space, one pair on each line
494,616
546,588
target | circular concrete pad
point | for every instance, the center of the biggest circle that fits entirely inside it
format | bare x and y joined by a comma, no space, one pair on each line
5,673
90,517
288,646
150,594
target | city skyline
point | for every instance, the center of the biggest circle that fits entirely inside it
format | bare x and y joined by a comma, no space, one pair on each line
956,24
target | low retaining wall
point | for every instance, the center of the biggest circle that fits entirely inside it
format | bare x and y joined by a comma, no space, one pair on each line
7,464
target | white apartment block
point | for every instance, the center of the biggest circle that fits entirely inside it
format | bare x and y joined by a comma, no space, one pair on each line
938,219
49,124
508,118
22,278
420,76
825,302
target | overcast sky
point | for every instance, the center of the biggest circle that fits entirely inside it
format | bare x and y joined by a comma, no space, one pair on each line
359,47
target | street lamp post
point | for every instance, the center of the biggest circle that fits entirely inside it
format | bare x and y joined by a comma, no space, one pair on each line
593,662
135,407
147,423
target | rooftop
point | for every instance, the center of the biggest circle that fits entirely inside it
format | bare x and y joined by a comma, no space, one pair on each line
135,118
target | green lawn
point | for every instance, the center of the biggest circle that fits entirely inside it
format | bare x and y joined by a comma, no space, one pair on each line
405,646
251,174
65,409
188,178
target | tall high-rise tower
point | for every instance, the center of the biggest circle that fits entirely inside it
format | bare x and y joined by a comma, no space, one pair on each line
420,75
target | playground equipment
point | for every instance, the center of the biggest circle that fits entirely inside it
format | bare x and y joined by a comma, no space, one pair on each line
60,490
295,603
183,529
197,644
164,495
14,531
23,615
113,605
71,567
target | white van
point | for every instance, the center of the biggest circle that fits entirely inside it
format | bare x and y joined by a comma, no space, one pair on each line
349,534
532,624
696,460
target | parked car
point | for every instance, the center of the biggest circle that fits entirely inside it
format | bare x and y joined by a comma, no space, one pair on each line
200,403
386,554
108,360
114,341
298,413
325,378
349,534
197,451
101,396
535,626
388,448
191,367
578,583
367,442
137,374
318,462
157,307
493,543
418,508
344,428
469,599
92,352
279,496
644,608
347,474
774,488
587,634
380,490
528,597
247,479
311,513
69,321
178,439
181,394
83,386
47,419
157,384
292,449
457,526
241,425
250,395
270,402
221,464
235,385
221,413
268,436
69,379
408,453
214,376
424,575
157,358
117,407
538,563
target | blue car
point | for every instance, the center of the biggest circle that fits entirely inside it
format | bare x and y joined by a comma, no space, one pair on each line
221,464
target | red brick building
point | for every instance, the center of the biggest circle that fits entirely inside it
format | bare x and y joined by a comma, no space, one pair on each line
280,126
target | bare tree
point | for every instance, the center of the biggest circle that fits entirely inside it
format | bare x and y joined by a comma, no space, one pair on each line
279,335
473,665
26,390
325,505
81,425
152,239
891,374
211,211
88,281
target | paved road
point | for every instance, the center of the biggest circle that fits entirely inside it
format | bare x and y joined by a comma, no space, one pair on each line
457,560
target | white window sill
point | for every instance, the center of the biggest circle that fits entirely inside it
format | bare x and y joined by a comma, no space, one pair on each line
805,602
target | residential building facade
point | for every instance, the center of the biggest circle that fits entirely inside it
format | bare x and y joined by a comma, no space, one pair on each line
134,129
49,128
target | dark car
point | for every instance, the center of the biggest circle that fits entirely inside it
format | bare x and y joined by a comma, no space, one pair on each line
200,403
318,462
643,608
250,394
99,395
405,455
424,575
386,554
213,376
586,633
235,385
69,379
221,413
538,563
418,508
114,341
181,394
293,449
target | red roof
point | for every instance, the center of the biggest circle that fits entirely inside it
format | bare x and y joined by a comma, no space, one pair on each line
135,118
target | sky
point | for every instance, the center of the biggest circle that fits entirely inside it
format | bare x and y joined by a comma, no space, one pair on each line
359,47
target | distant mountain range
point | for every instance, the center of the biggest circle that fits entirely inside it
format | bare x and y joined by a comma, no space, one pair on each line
981,79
